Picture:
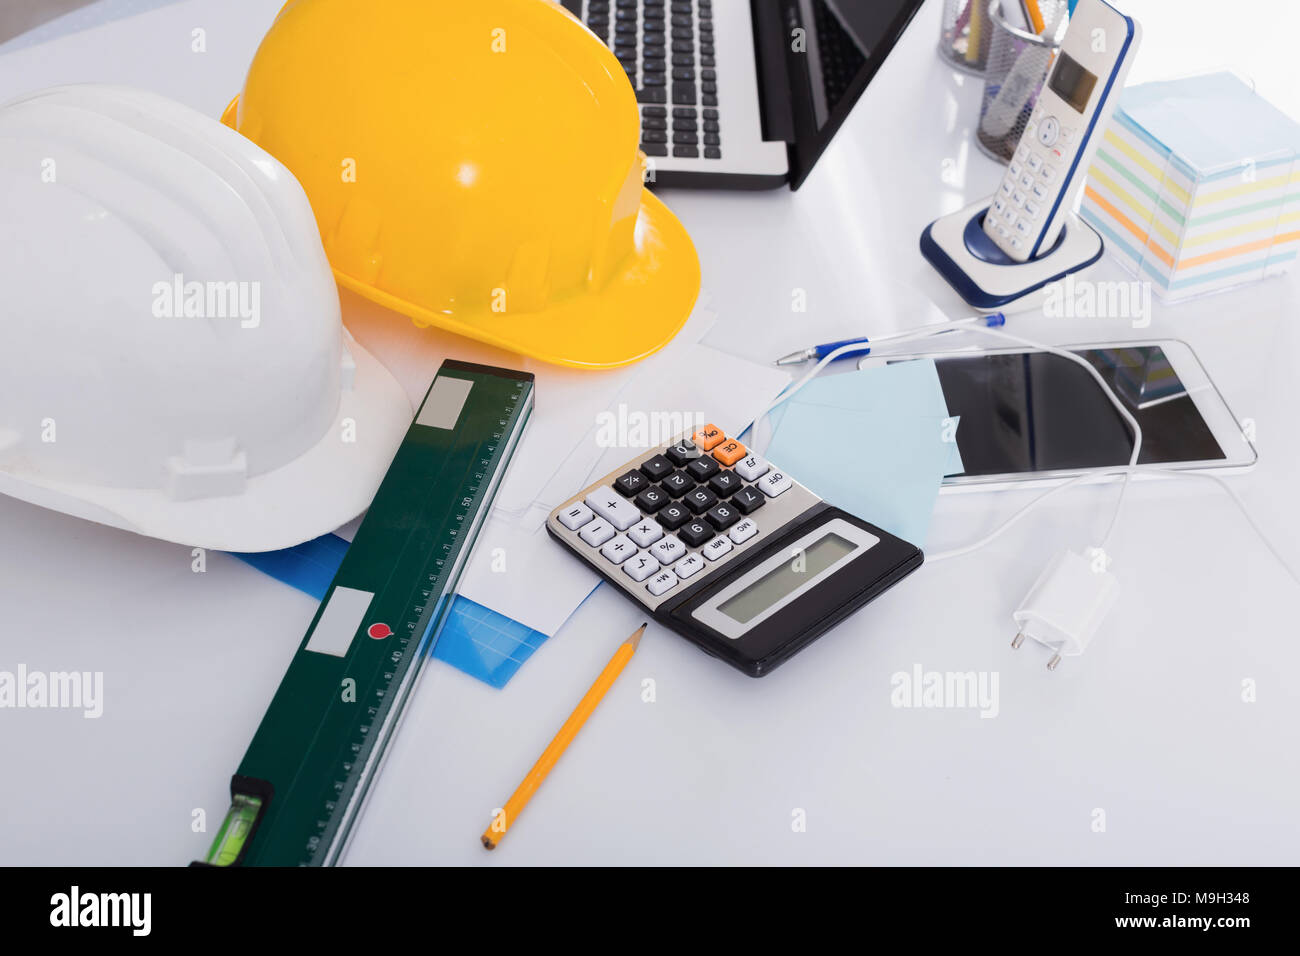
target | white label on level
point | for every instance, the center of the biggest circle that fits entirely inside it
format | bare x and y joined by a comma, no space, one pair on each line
339,621
446,399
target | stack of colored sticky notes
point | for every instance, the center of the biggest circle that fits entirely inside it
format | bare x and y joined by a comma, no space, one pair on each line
1196,185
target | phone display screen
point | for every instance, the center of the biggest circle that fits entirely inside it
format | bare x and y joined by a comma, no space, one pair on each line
1071,82
1034,411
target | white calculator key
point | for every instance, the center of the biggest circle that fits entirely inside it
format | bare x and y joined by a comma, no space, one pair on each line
999,205
1031,207
668,550
690,565
1014,169
1018,198
775,484
661,582
716,548
646,533
1006,187
753,466
611,506
1040,192
577,515
596,532
640,566
743,531
618,548
1048,173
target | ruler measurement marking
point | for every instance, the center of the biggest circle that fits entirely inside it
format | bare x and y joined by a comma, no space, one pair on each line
364,745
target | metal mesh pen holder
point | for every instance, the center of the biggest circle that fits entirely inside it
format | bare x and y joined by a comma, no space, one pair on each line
964,43
1014,71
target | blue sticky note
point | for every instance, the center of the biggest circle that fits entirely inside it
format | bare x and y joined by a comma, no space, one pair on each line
875,442
483,643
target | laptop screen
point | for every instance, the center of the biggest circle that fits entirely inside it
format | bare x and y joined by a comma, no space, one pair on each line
847,41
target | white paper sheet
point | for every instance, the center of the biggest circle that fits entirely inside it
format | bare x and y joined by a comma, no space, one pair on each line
516,568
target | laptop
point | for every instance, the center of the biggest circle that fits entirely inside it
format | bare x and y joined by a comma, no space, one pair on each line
744,94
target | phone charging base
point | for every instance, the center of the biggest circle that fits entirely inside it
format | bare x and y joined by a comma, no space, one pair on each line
986,277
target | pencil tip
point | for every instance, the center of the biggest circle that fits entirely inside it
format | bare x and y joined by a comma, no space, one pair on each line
635,639
488,844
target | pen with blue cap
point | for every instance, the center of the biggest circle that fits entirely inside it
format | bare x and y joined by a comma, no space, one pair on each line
819,352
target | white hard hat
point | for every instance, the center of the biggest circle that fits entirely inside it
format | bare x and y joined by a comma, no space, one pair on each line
172,358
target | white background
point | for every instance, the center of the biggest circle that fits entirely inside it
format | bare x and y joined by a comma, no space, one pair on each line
1148,726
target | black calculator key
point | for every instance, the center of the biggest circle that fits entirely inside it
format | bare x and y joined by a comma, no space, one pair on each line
722,516
699,500
655,468
702,469
673,516
724,483
678,483
656,149
682,453
652,499
695,533
748,499
632,483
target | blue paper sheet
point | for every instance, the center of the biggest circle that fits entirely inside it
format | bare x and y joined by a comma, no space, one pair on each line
476,639
875,442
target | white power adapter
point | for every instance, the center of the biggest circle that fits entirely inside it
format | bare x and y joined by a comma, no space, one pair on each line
1067,604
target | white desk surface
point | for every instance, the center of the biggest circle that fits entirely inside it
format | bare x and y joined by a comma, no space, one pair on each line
1149,726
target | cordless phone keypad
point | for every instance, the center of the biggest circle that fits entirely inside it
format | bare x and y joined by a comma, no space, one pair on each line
673,514
1022,203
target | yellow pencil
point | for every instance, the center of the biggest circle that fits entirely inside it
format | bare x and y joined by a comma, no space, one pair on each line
1036,22
524,792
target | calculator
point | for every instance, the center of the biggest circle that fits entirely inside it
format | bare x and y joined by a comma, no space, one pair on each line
728,550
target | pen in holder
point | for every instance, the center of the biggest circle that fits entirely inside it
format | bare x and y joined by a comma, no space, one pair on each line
1014,70
964,34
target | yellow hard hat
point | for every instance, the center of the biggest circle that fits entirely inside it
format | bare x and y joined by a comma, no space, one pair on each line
474,165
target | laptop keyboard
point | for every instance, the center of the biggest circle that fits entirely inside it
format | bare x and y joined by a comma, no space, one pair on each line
666,48
841,60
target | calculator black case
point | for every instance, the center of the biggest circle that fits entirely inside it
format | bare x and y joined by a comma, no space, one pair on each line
774,640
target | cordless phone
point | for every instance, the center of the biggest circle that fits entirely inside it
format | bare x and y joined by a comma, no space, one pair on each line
1043,179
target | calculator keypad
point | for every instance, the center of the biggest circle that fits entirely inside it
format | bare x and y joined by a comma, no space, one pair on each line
618,548
702,469
596,532
640,566
645,533
606,504
678,512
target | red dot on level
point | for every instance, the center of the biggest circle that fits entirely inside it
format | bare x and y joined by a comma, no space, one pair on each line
379,631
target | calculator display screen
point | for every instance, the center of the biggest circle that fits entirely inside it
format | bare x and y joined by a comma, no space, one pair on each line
773,587
1071,82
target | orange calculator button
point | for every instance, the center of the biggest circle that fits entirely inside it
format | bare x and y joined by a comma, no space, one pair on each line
730,452
709,437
